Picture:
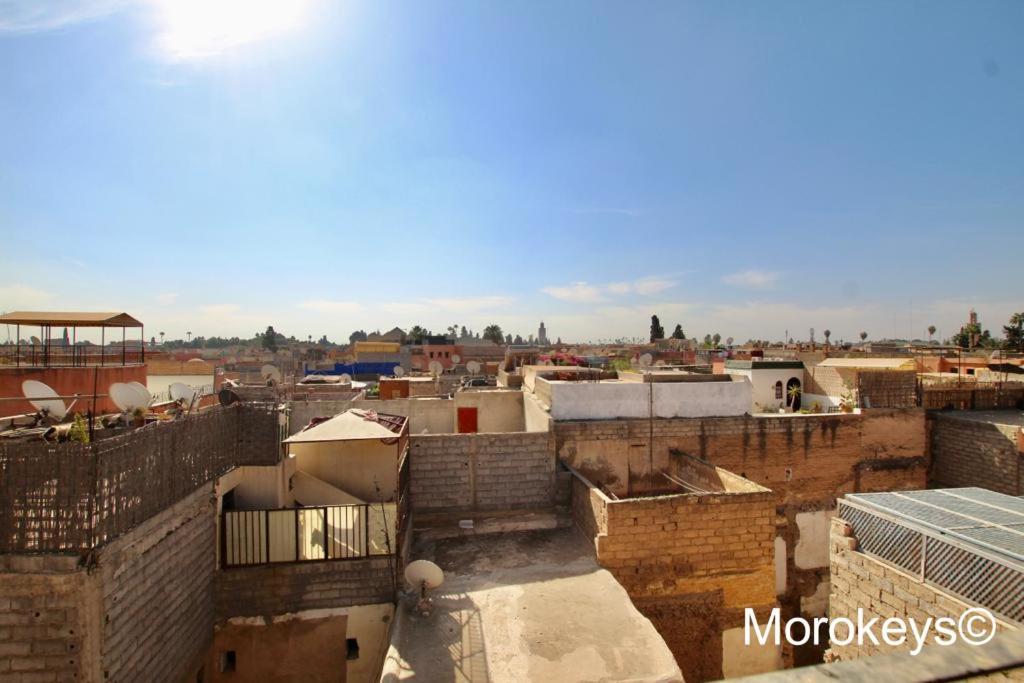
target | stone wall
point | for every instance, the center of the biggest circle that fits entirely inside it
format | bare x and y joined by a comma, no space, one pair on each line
860,581
274,589
970,452
451,472
47,631
157,592
140,609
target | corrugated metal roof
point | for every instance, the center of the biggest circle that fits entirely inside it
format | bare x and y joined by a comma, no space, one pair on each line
70,319
973,515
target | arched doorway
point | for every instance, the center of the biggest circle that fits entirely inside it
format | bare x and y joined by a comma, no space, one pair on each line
793,397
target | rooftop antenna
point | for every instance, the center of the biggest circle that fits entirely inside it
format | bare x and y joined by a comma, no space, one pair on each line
270,374
424,575
44,399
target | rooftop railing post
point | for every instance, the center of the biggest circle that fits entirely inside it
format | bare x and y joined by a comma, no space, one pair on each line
266,536
327,554
366,529
296,534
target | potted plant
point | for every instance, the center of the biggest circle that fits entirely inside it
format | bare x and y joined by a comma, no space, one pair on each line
846,402
139,417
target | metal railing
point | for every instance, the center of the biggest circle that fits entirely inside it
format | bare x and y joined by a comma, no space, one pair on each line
307,534
42,355
970,572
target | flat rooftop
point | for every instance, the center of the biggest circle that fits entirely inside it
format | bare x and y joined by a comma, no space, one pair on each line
1014,418
530,605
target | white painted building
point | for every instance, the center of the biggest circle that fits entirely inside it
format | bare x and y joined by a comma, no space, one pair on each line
770,382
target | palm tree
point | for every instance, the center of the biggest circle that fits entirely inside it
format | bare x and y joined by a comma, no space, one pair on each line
161,339
931,331
189,335
863,336
493,333
417,333
828,333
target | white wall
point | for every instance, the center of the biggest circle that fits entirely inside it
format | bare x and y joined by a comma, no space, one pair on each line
535,414
763,381
740,659
812,549
611,400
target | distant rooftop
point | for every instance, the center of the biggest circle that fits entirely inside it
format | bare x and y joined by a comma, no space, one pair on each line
759,363
869,363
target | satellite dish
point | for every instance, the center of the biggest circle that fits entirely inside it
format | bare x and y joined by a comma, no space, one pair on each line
127,397
182,392
435,368
456,358
473,367
226,397
144,396
35,340
345,379
645,360
424,574
270,373
44,399
399,371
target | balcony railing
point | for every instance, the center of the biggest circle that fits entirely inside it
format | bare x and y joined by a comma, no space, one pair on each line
41,355
308,534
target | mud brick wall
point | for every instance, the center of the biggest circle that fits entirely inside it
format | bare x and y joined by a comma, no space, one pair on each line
44,621
969,452
482,471
859,581
277,589
157,593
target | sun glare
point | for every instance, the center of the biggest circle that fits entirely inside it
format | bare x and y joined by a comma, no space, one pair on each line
194,29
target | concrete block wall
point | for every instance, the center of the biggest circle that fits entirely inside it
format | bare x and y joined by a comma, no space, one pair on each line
277,589
45,624
482,471
968,452
859,581
157,593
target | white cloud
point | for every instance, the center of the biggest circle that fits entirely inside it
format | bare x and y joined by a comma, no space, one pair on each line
753,279
578,292
326,306
219,309
583,293
471,304
30,16
167,298
13,297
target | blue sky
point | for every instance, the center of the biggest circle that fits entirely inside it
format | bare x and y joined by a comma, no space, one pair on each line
742,168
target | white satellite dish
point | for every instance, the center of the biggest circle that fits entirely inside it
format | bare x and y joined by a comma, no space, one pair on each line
270,373
399,371
645,360
435,368
456,358
424,575
473,367
44,399
126,397
182,392
143,392
345,379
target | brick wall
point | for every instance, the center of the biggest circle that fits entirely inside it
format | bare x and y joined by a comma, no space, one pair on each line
968,452
482,471
44,622
881,590
157,593
294,587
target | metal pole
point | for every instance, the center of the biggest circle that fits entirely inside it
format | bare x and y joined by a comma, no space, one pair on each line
124,347
103,345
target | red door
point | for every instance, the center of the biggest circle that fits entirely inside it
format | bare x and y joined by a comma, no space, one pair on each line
467,420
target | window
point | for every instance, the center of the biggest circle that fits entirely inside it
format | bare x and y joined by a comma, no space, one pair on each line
970,371
778,390
353,648
227,661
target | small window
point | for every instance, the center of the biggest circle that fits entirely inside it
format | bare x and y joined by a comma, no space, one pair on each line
227,661
970,371
353,648
778,390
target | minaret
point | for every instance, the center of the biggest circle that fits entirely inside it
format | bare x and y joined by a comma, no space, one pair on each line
542,335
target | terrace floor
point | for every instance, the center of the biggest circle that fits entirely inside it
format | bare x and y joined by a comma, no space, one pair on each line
530,605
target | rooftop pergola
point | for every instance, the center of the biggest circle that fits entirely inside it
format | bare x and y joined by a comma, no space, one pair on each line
47,354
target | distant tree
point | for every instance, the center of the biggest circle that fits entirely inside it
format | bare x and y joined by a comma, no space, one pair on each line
518,339
657,331
494,334
558,342
152,341
417,333
508,338
161,338
728,341
678,332
189,335
463,332
269,341
1014,333
358,335
717,338
707,341
863,336
931,331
